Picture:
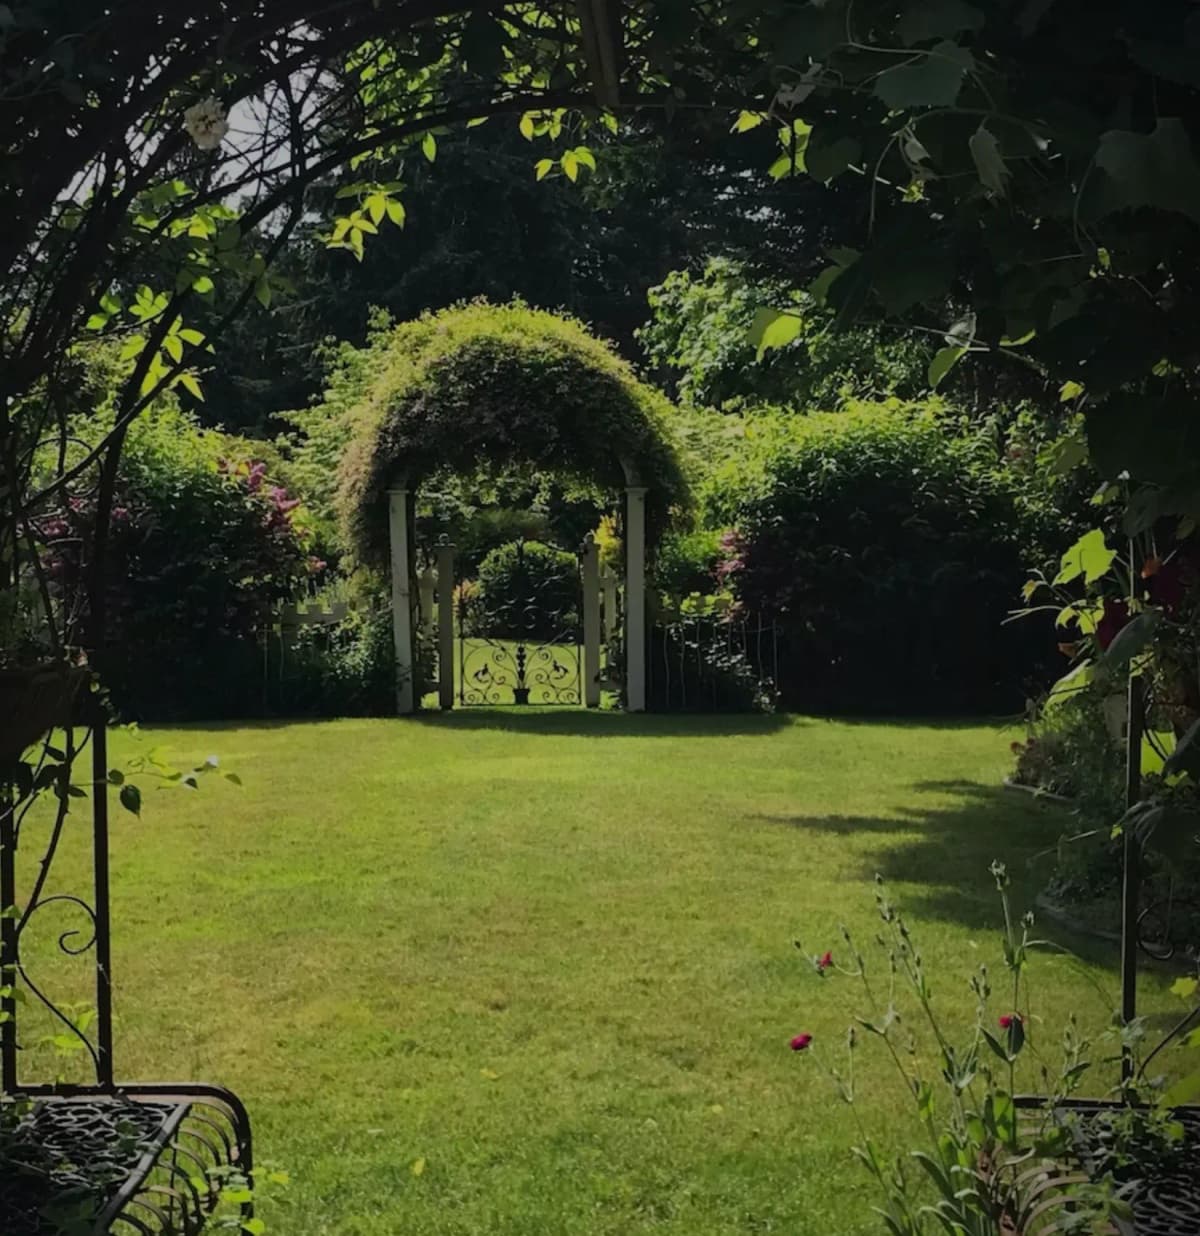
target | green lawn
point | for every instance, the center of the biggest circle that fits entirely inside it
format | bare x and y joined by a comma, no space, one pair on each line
551,957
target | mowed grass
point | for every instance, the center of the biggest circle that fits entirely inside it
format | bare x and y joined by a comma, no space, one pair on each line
535,973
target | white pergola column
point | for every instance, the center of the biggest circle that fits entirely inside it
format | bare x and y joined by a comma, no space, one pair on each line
589,562
445,601
635,598
402,614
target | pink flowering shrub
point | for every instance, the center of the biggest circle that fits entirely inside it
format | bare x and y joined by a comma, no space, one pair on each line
202,547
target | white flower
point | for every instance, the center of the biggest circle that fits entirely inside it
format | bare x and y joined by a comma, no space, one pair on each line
206,124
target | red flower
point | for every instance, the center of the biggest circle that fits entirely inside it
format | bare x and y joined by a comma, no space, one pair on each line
1007,1019
1170,584
824,962
1116,616
800,1042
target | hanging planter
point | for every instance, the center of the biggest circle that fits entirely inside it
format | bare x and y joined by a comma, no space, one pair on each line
33,700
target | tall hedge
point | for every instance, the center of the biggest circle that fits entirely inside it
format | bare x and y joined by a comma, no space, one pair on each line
490,385
891,551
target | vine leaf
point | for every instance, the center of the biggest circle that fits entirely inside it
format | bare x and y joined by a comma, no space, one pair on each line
924,20
131,798
825,161
944,360
1090,557
933,81
1157,169
989,162
774,328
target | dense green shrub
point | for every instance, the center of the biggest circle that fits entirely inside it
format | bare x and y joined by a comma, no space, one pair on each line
485,384
202,546
347,669
891,550
526,590
700,337
686,563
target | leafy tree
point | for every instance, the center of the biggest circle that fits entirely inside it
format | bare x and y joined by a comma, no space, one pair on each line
701,336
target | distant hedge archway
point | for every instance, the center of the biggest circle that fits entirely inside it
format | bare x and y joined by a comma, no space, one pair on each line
497,384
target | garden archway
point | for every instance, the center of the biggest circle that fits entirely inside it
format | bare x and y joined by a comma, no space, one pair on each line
481,383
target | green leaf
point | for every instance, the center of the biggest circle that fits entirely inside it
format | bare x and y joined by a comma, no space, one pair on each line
1132,638
202,284
989,162
116,777
585,157
1069,390
925,1101
190,384
570,165
824,162
1064,456
543,168
944,360
131,799
429,147
747,121
234,778
925,20
1185,988
774,328
1090,557
396,212
255,1227
262,292
1183,755
1157,169
934,81
1187,1090
526,126
1070,684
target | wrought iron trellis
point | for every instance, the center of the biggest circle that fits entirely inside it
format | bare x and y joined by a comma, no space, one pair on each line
524,649
694,657
1164,1194
101,1156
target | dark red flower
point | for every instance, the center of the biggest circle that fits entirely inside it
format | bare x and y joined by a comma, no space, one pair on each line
824,962
1169,585
1007,1019
800,1042
1115,616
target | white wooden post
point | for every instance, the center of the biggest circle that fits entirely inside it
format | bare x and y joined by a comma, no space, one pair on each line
426,584
608,581
445,594
589,562
635,599
402,615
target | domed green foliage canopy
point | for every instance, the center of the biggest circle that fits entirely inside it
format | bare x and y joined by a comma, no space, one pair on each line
482,384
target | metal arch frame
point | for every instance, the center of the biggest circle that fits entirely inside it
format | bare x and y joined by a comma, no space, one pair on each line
200,1124
1165,1204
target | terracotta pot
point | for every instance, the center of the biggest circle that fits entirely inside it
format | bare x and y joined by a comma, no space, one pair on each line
34,700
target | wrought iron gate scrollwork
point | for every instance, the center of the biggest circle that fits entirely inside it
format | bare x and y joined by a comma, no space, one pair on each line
522,648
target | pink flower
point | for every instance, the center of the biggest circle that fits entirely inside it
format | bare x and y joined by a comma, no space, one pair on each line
1007,1019
824,962
800,1042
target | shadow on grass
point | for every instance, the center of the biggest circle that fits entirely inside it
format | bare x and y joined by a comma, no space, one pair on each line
584,723
944,851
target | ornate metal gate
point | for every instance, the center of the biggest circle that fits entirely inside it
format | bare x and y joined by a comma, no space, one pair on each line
519,632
